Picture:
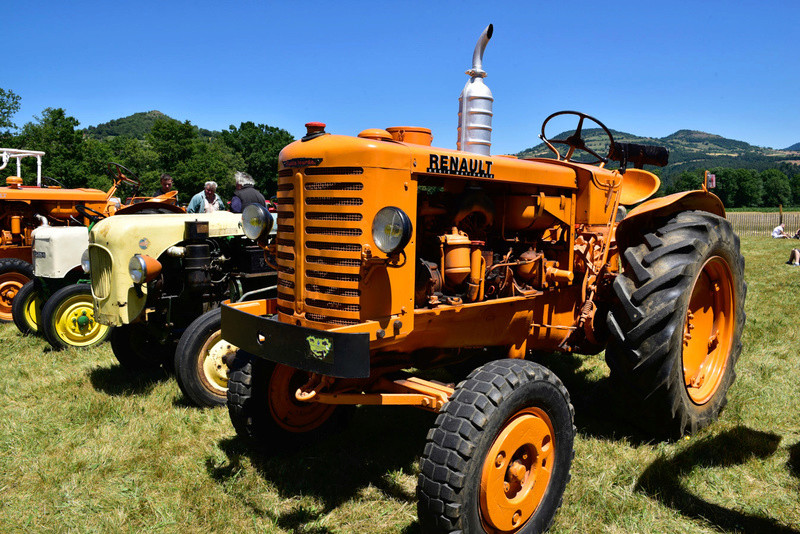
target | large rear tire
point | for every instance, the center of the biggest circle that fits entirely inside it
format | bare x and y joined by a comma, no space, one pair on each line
201,361
14,274
263,409
26,308
498,457
68,319
677,324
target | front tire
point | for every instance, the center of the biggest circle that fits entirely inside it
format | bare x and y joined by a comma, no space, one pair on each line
68,319
201,361
677,324
136,349
263,409
498,457
14,274
26,308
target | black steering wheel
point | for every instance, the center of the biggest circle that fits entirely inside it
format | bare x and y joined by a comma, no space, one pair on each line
576,141
53,181
123,175
91,214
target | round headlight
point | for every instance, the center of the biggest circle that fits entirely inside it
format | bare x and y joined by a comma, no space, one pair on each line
137,268
256,221
391,230
85,261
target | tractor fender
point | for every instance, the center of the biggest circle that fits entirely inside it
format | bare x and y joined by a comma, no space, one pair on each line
641,216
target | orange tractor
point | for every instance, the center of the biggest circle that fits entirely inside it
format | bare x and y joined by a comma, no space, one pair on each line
25,208
395,257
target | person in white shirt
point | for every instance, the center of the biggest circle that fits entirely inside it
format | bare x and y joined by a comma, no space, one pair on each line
779,233
206,200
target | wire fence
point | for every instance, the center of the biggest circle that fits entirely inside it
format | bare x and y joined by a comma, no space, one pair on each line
755,223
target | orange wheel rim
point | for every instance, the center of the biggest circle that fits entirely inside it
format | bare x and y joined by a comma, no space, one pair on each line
708,330
10,284
517,471
287,411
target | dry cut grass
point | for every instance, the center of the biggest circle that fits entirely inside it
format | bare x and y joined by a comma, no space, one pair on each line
88,447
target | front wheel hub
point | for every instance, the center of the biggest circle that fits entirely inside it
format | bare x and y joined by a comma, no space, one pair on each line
517,471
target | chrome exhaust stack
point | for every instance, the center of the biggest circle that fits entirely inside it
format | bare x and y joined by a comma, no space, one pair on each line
475,105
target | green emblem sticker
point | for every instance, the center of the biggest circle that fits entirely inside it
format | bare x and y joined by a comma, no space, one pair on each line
320,347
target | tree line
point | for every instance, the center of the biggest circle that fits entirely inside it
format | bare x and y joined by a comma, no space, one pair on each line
180,149
193,156
739,188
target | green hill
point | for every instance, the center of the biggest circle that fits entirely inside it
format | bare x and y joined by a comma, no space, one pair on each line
795,147
688,150
137,126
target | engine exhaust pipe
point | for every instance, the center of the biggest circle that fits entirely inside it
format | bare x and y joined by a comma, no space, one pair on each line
475,104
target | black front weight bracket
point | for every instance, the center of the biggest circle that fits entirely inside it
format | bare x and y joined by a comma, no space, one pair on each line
316,351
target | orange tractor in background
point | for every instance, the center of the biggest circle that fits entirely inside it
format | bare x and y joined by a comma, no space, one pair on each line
395,257
24,208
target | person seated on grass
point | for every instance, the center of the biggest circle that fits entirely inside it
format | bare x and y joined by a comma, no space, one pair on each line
794,257
796,234
779,232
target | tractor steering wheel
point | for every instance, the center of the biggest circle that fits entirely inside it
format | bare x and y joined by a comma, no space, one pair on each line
91,214
53,181
123,175
576,141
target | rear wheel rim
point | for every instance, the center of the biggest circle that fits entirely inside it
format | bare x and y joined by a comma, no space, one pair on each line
708,330
517,471
10,284
286,410
74,322
211,363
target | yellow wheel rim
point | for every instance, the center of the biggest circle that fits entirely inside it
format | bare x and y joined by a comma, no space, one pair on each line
708,330
10,284
74,322
211,363
517,471
32,311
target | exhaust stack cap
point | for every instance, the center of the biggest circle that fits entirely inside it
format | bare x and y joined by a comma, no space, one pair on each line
475,104
314,129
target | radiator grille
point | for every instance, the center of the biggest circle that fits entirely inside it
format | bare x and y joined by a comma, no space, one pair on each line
344,262
328,249
343,247
334,186
321,216
343,232
102,264
343,292
333,201
333,171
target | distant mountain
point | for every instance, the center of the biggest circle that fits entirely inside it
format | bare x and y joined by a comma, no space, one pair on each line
795,147
137,125
688,150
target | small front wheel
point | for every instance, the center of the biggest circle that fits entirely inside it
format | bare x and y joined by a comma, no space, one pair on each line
137,349
26,309
263,408
201,360
498,457
68,319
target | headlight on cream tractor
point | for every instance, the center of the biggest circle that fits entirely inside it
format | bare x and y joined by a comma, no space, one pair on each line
143,268
85,262
391,230
256,221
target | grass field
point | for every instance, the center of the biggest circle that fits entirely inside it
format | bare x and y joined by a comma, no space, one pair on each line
88,447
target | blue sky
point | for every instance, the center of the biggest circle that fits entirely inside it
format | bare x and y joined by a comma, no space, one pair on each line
648,68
